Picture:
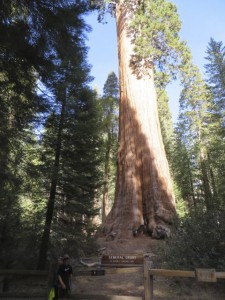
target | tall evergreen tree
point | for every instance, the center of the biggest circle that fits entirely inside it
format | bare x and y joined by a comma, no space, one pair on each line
166,124
39,42
215,71
71,170
195,103
68,85
110,104
183,166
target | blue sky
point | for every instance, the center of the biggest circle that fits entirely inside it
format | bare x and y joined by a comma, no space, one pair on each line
201,20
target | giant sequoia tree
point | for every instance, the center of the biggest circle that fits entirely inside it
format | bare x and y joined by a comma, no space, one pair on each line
147,40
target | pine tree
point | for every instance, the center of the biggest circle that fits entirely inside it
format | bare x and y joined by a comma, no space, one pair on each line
215,70
109,102
195,103
39,39
165,118
183,167
68,84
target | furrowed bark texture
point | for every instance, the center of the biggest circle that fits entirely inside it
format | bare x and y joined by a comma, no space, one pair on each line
144,193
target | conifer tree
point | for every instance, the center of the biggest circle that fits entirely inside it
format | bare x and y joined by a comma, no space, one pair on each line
195,103
39,39
73,107
215,70
183,167
110,128
166,124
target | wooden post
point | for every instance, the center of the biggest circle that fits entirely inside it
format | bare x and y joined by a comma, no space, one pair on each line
5,284
148,281
151,287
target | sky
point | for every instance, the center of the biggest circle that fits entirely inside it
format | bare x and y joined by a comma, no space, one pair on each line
201,20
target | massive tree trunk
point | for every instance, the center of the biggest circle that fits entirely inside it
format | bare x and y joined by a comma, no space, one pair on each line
144,193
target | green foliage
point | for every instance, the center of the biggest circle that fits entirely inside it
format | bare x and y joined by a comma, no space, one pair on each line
166,124
198,242
21,203
42,45
19,103
183,168
72,138
155,28
110,105
44,72
194,135
81,153
200,171
181,204
215,70
199,239
79,176
111,86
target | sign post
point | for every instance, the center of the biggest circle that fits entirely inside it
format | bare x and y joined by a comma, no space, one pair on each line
206,275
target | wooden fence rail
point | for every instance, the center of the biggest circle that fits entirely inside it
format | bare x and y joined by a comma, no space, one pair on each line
202,275
23,272
40,279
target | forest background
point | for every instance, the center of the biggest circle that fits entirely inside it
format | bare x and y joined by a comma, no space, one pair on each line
59,137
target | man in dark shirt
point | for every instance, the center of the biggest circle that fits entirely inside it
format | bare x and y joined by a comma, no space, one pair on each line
64,276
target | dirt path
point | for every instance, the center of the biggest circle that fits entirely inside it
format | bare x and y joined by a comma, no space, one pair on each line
129,284
132,284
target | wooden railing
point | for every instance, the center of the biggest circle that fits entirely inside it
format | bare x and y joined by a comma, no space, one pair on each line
202,275
8,277
23,272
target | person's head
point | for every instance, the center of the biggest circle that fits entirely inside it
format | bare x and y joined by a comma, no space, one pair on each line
65,258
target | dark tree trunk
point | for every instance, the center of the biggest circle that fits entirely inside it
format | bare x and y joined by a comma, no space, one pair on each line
192,186
51,202
206,181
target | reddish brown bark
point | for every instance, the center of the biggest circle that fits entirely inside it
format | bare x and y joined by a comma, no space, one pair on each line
143,189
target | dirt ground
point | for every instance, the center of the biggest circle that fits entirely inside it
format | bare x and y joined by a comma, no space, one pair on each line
132,284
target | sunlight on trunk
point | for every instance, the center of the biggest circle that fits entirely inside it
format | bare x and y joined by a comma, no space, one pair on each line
144,193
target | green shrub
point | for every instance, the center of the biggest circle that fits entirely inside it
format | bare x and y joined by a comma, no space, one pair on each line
199,242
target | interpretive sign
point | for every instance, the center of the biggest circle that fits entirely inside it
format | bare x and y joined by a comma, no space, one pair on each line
97,272
129,260
206,275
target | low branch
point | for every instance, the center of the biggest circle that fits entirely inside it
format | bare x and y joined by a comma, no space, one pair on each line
90,265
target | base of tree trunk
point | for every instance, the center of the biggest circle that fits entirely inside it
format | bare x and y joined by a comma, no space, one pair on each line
158,231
